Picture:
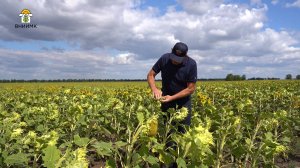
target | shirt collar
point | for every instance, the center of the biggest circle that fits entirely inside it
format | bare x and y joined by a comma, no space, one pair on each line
185,60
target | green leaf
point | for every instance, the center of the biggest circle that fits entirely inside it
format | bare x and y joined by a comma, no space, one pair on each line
140,117
51,156
248,141
240,106
40,128
144,150
136,159
2,140
16,159
269,136
110,163
81,141
165,158
187,148
181,163
105,131
158,147
120,144
104,148
286,139
63,158
152,160
238,151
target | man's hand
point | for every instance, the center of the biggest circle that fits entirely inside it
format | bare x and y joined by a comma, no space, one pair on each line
185,92
166,99
157,93
151,81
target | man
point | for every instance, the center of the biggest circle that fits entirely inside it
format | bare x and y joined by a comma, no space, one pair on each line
179,76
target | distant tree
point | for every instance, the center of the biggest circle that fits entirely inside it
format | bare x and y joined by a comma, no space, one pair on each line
244,77
288,76
236,77
298,77
229,77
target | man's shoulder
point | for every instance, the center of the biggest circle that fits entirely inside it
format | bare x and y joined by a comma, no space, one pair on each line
191,61
166,56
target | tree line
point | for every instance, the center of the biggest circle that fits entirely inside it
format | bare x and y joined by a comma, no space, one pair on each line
232,77
229,77
289,76
67,80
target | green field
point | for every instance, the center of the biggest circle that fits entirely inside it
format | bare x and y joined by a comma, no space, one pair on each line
119,124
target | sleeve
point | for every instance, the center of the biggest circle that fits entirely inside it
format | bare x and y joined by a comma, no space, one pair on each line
157,66
192,77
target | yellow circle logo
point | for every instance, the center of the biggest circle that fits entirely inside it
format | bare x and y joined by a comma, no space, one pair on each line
25,12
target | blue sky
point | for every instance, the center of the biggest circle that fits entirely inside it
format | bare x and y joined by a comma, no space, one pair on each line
122,39
282,17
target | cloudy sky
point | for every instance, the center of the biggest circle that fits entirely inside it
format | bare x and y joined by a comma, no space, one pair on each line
122,39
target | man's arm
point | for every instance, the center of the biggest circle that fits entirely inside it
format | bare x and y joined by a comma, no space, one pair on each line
151,81
185,92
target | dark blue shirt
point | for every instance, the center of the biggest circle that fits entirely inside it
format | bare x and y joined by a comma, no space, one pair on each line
175,77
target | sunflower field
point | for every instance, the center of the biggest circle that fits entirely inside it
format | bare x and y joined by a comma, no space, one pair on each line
110,124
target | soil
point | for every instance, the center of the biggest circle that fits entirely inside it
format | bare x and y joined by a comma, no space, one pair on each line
292,162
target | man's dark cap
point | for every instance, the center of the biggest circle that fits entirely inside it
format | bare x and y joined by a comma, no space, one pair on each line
179,52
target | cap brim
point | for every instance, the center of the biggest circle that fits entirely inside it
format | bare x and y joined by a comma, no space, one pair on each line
177,58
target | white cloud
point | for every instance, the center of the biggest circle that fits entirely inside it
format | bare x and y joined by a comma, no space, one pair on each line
222,38
199,7
218,32
258,25
274,2
294,4
124,59
256,2
72,64
231,59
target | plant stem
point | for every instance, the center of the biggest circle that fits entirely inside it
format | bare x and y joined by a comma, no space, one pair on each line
220,149
252,143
